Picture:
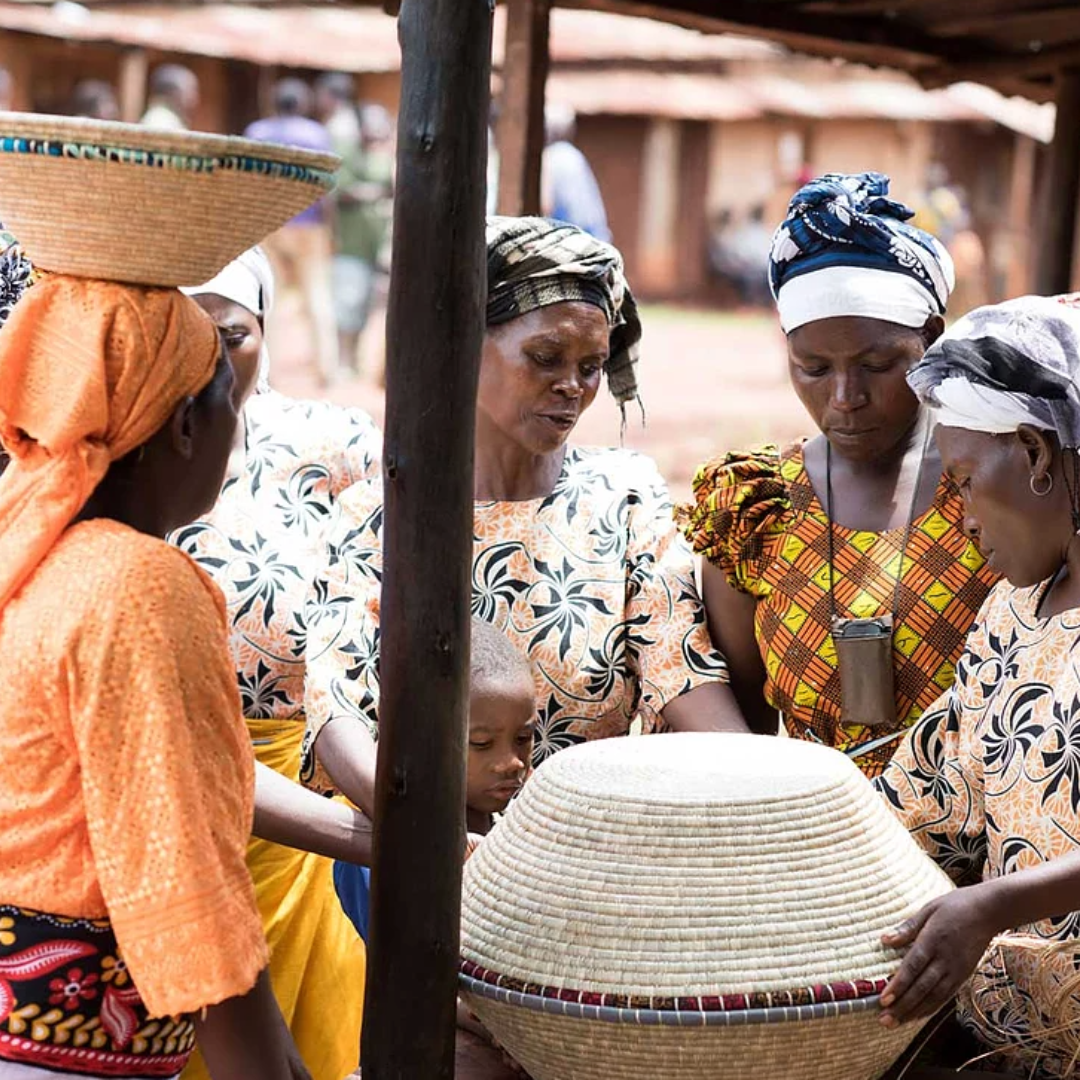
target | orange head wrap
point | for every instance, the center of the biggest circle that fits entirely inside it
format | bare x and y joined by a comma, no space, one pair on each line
89,370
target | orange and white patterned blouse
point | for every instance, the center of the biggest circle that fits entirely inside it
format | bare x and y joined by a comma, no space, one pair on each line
988,782
263,541
593,583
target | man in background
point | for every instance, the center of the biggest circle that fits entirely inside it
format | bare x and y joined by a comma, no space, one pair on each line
301,251
363,197
95,99
569,191
335,106
174,98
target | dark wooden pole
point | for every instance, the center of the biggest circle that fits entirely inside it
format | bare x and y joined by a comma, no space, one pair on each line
1058,234
521,119
435,328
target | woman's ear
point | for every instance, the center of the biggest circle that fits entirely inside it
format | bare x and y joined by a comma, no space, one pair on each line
182,428
932,329
1039,450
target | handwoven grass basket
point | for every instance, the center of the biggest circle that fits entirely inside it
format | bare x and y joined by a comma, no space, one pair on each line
692,906
132,204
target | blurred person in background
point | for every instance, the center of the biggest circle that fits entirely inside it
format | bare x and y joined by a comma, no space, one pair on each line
95,99
569,191
301,251
335,107
739,254
174,98
363,198
5,89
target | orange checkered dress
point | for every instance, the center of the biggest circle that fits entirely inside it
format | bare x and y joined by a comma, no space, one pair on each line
756,517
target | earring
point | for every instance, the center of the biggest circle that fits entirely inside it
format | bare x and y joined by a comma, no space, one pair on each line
1045,491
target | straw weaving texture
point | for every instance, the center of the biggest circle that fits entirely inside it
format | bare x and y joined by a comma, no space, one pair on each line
126,203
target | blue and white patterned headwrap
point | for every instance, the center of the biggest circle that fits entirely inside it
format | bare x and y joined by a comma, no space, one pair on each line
845,249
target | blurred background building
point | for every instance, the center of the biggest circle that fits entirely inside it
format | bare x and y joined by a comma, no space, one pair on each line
697,140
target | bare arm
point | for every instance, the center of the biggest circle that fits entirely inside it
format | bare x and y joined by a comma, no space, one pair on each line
948,937
711,707
289,814
246,1036
347,752
731,626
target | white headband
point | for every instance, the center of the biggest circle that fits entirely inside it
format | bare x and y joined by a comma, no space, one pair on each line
836,291
248,281
959,403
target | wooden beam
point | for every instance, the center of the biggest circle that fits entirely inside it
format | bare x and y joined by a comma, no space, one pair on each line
876,41
1017,25
435,329
1003,65
521,118
1058,232
922,12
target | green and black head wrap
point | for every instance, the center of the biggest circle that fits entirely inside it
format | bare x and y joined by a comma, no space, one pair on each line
535,262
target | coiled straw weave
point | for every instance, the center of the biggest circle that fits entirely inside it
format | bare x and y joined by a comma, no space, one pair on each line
132,204
692,906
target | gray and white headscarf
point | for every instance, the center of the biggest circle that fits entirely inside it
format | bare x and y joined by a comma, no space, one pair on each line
1005,365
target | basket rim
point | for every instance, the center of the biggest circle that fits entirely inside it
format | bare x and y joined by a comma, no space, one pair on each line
795,997
114,135
684,1018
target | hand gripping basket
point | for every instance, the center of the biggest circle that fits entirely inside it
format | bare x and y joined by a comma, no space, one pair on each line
692,906
126,203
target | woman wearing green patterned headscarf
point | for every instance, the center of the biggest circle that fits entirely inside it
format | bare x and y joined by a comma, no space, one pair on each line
576,556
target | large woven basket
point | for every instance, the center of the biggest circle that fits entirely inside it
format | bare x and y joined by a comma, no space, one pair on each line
132,204
692,906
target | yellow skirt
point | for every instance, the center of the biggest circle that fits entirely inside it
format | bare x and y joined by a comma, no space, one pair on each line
317,959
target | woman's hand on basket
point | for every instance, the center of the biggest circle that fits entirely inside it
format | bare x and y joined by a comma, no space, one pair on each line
947,940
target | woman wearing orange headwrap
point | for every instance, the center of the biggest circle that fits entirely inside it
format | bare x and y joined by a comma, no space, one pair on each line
125,905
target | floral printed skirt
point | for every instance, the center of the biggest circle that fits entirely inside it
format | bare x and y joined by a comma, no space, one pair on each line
68,1005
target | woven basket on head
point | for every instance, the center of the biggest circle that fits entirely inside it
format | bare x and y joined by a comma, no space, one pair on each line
692,906
132,204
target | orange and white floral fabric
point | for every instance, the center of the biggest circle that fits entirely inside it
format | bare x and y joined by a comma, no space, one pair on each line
129,785
263,541
988,782
262,544
593,583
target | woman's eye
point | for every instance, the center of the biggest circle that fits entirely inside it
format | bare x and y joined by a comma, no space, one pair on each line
525,740
590,371
544,359
479,745
813,372
235,338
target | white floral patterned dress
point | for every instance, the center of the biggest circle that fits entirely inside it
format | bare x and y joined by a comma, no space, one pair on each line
593,583
262,544
264,539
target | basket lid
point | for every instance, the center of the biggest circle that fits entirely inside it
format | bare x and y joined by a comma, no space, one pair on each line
674,867
126,203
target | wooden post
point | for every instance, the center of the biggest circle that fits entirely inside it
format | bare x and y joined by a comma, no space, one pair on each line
521,119
1059,214
132,88
435,330
1021,200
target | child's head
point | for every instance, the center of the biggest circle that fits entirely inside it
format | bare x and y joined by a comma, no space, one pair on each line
502,711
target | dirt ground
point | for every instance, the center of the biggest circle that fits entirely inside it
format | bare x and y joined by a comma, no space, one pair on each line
710,381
